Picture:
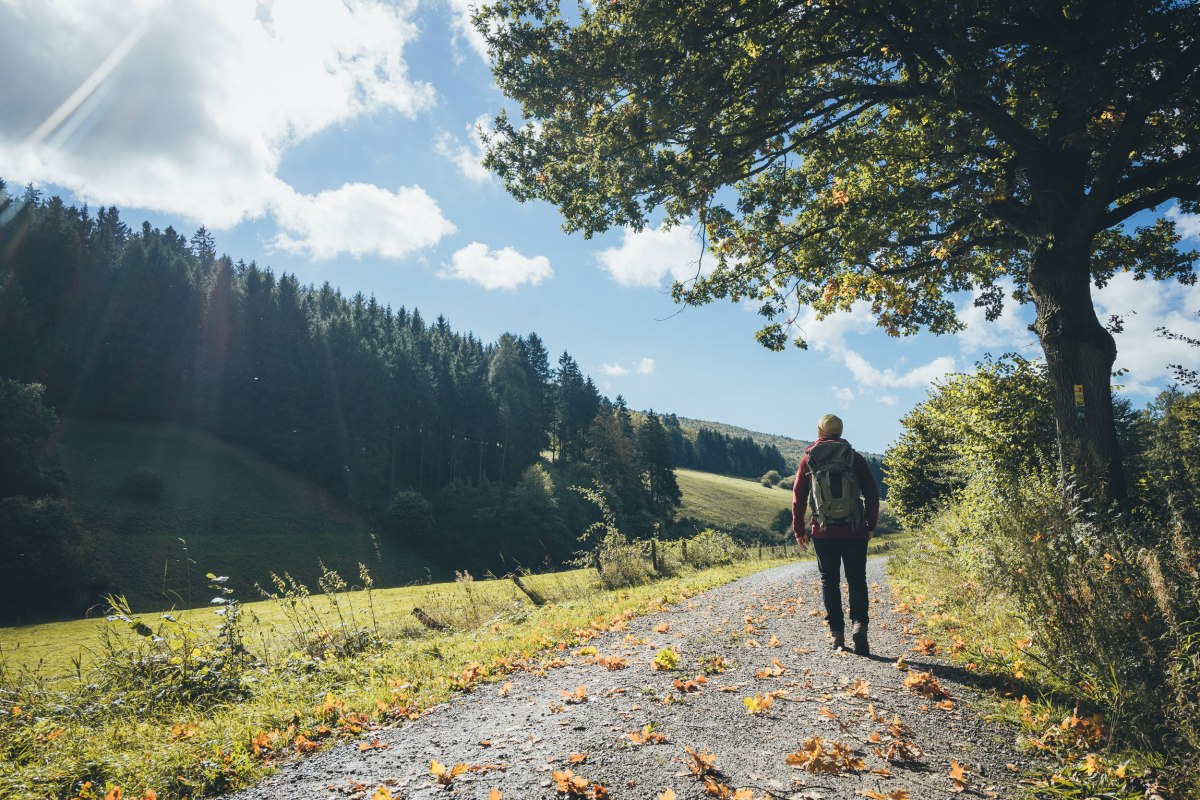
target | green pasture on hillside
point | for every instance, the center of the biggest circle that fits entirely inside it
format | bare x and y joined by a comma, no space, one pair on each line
725,503
237,514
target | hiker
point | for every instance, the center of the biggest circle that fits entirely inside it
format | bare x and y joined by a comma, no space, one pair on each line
831,483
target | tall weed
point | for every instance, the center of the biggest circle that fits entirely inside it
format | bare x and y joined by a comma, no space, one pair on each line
1112,603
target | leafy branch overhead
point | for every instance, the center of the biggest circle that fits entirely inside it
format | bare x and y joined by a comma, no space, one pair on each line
891,154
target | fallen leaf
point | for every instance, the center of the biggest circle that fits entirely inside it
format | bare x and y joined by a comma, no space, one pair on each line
959,775
576,758
578,696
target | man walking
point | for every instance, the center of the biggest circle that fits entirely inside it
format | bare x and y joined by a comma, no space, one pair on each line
831,483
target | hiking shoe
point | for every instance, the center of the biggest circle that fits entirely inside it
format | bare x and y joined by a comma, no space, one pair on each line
839,640
858,634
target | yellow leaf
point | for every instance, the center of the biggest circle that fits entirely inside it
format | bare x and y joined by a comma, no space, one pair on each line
667,794
382,793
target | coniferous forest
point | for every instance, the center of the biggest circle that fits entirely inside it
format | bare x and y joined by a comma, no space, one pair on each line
462,449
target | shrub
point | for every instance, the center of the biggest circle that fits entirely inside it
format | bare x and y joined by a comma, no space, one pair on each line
712,547
788,483
410,517
143,485
770,478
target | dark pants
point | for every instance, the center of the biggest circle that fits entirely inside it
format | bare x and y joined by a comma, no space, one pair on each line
831,555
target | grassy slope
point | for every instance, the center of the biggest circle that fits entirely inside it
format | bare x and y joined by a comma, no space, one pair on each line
723,502
239,515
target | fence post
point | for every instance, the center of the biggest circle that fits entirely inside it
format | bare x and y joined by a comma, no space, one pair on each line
654,554
683,545
760,549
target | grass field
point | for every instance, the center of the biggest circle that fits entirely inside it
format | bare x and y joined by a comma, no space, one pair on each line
160,738
725,503
237,514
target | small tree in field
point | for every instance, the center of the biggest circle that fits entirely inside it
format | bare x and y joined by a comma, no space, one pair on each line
888,152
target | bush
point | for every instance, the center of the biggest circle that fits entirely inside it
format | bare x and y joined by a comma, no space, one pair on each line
143,485
711,547
770,478
788,483
409,517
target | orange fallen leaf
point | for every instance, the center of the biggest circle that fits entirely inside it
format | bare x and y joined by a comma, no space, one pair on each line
495,794
578,696
663,628
959,775
666,794
445,776
647,735
702,764
773,671
576,758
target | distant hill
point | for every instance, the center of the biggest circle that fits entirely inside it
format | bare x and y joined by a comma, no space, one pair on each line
238,515
792,449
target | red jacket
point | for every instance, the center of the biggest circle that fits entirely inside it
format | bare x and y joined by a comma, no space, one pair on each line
866,483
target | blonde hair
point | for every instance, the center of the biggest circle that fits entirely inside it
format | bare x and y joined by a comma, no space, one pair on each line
830,426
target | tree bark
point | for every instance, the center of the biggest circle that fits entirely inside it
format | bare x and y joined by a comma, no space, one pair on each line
1079,360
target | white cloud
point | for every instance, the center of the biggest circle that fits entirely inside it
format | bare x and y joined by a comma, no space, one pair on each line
1007,333
360,219
645,366
644,258
461,11
496,269
613,370
195,119
467,157
1186,225
889,399
1144,306
829,336
844,395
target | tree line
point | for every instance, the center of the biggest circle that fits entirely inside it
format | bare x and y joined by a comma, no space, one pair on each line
462,448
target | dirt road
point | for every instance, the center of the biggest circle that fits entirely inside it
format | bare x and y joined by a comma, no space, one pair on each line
767,633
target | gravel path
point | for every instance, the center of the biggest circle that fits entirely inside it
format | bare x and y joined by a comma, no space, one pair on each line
517,735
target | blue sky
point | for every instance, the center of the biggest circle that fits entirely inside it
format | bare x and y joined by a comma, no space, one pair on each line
335,140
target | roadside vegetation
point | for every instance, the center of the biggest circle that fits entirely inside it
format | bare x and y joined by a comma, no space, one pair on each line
204,701
1089,620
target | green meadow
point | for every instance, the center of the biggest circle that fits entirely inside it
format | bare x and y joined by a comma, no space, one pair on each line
725,503
221,509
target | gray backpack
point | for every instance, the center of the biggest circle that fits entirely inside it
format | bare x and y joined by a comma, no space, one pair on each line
834,496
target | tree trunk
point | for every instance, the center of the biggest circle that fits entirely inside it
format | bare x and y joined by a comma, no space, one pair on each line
1079,360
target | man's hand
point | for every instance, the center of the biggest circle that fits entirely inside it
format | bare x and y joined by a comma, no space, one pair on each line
802,541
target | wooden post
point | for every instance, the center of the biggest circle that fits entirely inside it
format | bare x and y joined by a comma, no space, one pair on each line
533,596
760,549
683,544
654,554
428,621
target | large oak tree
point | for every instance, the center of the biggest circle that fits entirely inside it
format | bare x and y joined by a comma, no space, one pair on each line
896,153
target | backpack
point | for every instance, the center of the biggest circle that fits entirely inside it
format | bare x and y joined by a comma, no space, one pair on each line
834,494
